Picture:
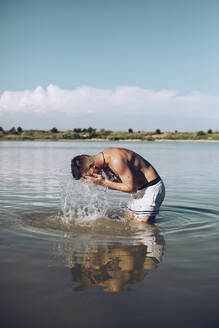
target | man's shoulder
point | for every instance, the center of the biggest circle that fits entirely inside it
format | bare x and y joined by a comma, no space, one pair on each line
116,149
116,154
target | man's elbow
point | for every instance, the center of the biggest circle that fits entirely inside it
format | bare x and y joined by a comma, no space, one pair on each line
132,189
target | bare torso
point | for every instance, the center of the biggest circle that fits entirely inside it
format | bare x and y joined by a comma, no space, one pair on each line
116,159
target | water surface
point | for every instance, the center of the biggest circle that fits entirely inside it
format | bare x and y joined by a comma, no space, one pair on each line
69,258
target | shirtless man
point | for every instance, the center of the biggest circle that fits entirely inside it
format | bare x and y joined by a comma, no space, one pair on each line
124,170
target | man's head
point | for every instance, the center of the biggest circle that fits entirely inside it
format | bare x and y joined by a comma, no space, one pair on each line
80,165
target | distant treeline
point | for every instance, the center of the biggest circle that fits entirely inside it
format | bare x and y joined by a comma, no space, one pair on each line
91,133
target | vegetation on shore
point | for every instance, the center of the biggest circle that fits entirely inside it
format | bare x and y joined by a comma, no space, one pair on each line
108,135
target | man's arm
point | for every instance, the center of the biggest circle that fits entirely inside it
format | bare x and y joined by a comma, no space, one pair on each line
120,167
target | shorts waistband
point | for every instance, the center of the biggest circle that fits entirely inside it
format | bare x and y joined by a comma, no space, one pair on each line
151,183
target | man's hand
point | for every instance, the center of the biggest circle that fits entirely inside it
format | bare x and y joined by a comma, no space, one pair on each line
97,179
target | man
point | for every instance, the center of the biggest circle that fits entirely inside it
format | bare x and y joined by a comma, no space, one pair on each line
124,170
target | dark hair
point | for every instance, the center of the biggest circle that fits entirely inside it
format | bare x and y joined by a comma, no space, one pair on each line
79,165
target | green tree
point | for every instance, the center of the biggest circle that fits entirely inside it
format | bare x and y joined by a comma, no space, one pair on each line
77,130
200,133
54,130
19,130
157,131
130,130
210,131
12,131
91,130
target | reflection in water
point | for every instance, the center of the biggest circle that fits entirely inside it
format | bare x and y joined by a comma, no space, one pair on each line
114,265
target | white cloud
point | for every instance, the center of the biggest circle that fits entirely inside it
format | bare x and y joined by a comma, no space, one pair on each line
119,101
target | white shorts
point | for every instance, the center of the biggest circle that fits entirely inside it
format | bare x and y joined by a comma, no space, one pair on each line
147,202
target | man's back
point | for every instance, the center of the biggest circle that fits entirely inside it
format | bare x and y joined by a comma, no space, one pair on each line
141,169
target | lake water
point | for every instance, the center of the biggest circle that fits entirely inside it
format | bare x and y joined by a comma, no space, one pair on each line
69,259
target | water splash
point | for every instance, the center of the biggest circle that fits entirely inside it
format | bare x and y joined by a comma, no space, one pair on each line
82,202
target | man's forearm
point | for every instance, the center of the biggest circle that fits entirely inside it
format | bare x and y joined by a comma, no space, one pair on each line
118,186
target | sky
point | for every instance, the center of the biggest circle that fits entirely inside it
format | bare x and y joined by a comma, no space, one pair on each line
141,64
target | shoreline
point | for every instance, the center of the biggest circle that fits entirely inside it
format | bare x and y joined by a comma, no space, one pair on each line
102,135
121,140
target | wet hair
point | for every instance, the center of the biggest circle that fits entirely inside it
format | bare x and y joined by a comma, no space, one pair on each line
79,165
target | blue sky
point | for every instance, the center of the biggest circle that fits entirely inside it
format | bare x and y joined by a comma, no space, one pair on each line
149,46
